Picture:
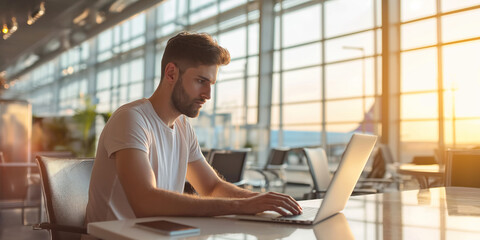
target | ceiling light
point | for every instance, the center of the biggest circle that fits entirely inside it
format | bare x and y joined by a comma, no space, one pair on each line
7,32
52,45
80,19
5,28
119,5
36,14
100,17
78,36
30,60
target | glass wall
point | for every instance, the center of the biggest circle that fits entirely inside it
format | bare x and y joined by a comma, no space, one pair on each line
234,24
312,46
440,42
36,87
120,64
72,79
327,71
334,56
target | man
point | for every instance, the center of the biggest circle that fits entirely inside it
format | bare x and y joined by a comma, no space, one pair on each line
148,148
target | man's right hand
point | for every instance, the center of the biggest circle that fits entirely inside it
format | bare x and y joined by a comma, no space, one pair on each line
270,201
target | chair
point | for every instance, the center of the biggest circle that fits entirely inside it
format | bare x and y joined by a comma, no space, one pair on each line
462,167
275,166
230,164
318,166
65,184
380,175
33,196
56,154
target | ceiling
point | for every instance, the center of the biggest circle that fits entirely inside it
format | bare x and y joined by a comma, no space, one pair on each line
65,24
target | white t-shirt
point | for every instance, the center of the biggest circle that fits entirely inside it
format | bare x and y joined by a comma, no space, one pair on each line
136,125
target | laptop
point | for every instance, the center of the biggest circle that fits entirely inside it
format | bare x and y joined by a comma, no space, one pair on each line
351,165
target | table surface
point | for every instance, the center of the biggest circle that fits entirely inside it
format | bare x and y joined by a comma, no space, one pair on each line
437,213
429,169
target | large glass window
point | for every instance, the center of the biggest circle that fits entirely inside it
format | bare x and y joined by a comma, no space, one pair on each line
120,72
73,93
36,87
438,68
461,83
327,72
341,82
121,38
120,84
356,16
224,118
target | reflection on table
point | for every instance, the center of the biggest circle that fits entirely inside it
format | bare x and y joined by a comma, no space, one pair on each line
437,213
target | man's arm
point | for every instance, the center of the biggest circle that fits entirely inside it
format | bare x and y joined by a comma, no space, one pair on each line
138,181
207,183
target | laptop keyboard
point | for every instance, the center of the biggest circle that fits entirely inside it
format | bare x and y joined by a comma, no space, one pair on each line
309,213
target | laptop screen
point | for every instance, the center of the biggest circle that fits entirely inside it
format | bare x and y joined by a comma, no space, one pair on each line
349,170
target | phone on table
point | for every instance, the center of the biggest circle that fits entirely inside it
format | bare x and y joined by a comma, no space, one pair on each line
168,228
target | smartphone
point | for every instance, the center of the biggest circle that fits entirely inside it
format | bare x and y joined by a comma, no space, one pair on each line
168,228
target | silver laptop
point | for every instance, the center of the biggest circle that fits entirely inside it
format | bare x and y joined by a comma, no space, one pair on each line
343,182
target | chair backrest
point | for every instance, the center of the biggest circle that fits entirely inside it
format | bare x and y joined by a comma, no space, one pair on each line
229,164
318,165
462,168
277,157
56,154
386,153
205,152
65,184
379,167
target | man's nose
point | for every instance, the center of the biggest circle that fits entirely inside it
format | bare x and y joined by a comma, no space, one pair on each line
206,94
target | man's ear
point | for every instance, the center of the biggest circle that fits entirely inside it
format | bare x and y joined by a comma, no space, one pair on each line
171,73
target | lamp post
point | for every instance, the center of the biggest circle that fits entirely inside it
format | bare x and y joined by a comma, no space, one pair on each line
453,89
363,82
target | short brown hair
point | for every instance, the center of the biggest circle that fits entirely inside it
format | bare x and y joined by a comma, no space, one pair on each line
193,49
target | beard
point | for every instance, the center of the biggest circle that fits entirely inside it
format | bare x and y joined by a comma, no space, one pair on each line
182,102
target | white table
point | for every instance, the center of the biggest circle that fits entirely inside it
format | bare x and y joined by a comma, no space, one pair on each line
438,213
422,172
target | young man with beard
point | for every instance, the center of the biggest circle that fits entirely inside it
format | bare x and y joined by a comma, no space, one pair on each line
148,148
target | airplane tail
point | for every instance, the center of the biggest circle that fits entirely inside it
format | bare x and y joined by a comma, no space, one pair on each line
367,125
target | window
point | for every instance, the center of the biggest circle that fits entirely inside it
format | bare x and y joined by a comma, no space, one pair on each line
357,15
426,88
347,70
121,38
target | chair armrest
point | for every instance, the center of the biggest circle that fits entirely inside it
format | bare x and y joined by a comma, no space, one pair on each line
273,172
60,228
254,168
261,172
